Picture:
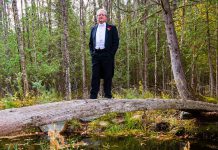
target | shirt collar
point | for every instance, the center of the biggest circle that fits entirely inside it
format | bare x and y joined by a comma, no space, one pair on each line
102,25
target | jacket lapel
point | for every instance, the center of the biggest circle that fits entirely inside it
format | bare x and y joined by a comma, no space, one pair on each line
94,34
106,35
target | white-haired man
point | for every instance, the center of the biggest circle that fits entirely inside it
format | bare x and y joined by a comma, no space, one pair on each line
103,44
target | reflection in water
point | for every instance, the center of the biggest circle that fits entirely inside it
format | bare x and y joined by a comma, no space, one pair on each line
56,141
187,146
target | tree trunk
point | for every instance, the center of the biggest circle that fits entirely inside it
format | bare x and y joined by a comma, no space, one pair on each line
20,49
145,51
211,79
44,13
138,39
128,30
100,4
38,15
163,69
94,12
193,64
27,23
118,15
155,57
107,8
217,52
34,16
65,51
18,119
139,54
1,19
179,76
83,47
49,2
183,24
6,45
23,24
1,13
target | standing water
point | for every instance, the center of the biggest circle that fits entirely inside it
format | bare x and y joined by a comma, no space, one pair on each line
105,143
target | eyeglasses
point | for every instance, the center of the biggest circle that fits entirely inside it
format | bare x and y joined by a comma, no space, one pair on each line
101,15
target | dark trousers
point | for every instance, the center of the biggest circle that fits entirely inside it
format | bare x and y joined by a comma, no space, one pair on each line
102,68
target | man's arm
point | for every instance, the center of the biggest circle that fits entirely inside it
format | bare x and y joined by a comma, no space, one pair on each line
91,42
115,40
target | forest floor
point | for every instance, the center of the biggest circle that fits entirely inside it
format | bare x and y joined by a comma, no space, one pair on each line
161,125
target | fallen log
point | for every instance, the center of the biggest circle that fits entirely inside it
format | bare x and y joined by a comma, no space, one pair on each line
17,119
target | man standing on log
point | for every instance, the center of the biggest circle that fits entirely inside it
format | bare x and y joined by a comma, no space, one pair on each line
103,44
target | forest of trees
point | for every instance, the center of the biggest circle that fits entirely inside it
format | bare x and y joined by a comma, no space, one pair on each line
44,46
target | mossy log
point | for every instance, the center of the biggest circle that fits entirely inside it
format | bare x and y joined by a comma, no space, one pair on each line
17,119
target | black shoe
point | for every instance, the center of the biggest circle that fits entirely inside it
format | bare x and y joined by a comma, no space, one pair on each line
93,97
108,96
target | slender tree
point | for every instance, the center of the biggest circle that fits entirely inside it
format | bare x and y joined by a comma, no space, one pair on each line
156,52
83,47
211,78
178,73
217,50
27,23
118,15
100,4
1,15
94,12
183,24
145,50
20,49
128,46
6,45
65,51
34,17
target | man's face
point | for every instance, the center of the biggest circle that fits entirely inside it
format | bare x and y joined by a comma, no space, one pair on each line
102,18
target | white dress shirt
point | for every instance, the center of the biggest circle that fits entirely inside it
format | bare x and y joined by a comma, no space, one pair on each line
100,36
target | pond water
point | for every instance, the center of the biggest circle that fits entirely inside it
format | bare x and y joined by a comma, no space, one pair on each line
107,143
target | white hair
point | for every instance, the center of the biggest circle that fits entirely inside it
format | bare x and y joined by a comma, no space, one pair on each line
102,10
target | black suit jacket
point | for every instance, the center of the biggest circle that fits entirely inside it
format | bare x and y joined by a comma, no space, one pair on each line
111,39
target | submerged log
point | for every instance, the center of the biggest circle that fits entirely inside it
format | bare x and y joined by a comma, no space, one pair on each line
18,119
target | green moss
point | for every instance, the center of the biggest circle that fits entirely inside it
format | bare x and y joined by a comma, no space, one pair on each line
211,100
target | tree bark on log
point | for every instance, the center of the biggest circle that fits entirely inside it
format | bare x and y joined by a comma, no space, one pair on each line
17,119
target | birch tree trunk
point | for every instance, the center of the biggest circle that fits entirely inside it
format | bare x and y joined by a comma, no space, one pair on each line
65,51
83,47
178,73
20,49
